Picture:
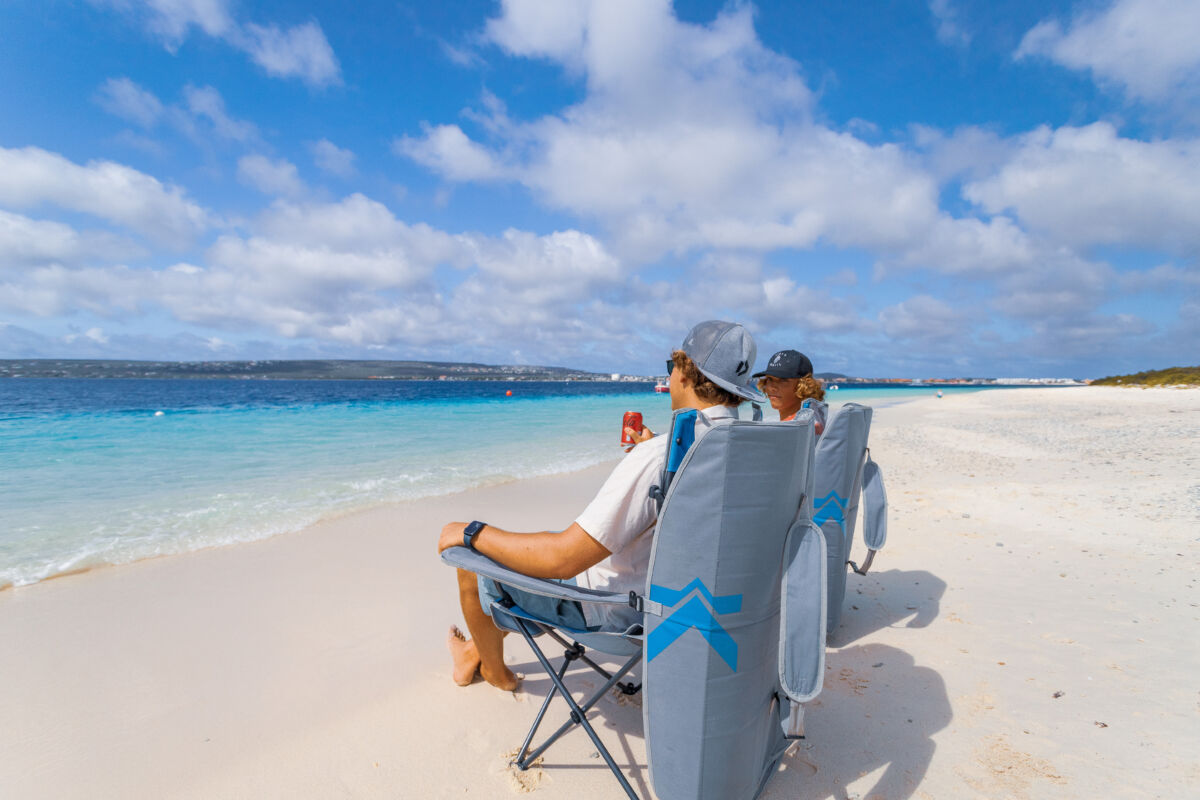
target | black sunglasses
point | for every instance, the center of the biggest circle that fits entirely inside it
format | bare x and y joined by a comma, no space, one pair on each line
670,366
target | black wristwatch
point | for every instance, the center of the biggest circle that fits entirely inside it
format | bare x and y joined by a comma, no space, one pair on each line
470,532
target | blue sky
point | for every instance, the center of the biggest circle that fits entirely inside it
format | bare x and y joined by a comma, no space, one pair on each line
923,188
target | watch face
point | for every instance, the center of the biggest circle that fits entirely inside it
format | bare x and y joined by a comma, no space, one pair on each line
470,532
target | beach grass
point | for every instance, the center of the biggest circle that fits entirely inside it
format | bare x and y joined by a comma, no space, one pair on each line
1172,376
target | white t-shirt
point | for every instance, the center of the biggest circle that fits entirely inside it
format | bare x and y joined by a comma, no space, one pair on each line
622,517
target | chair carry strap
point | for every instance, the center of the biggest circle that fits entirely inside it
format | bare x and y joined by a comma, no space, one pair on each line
874,513
683,435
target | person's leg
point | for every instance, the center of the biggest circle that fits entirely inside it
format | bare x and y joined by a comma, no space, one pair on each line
484,651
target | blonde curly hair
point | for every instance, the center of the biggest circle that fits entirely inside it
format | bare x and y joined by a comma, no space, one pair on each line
808,387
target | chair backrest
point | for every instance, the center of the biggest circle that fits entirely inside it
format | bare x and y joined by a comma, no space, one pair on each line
837,486
713,707
821,411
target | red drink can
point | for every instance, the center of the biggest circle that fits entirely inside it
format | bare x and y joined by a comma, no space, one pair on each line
633,419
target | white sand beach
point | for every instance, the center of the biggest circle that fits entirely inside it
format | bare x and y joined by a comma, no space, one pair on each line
1032,630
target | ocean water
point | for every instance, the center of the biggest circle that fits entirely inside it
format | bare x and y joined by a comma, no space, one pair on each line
110,471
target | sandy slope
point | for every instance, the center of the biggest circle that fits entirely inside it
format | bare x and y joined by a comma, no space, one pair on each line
1031,631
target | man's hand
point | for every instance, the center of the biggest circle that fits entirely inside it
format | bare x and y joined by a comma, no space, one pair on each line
452,535
644,435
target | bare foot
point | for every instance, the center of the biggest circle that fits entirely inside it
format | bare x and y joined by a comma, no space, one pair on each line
506,680
462,651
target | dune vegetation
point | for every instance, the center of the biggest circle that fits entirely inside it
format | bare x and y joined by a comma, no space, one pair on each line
1171,376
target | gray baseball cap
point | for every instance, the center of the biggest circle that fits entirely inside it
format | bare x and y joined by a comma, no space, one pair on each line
724,352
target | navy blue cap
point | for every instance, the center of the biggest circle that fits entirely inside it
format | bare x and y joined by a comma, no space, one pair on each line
787,364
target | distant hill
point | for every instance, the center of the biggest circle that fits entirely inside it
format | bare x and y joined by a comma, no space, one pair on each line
830,376
1172,376
295,370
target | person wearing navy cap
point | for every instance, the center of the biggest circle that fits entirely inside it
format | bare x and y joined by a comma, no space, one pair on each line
789,385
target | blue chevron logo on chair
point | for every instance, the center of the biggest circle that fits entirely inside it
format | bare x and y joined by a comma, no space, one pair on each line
831,506
695,613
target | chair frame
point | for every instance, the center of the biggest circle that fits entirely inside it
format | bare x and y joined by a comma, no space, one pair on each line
512,617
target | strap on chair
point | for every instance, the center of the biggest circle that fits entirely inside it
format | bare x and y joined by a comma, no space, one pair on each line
874,513
683,435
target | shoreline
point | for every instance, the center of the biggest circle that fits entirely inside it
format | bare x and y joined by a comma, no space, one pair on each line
80,565
333,514
1030,623
330,517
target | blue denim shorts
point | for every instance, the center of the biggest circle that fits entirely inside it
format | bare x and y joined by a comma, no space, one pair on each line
554,610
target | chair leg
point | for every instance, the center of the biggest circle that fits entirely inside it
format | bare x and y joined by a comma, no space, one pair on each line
578,714
521,760
626,688
566,726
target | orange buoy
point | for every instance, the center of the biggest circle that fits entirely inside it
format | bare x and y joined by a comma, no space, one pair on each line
508,393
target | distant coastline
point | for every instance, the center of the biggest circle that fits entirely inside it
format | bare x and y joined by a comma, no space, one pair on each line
312,369
352,370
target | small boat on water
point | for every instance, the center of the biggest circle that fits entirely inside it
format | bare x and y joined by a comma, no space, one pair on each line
662,386
832,387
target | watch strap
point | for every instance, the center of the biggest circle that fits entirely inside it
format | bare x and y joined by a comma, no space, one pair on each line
470,532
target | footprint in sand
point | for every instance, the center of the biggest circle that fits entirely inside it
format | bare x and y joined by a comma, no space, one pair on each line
522,781
796,763
856,683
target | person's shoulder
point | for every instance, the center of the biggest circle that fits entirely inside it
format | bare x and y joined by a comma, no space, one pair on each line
718,415
650,450
657,444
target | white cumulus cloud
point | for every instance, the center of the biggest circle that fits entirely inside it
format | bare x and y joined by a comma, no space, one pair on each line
279,177
926,319
449,151
690,137
300,51
25,241
948,27
173,20
1149,47
1088,186
124,98
206,102
697,140
200,115
332,159
31,177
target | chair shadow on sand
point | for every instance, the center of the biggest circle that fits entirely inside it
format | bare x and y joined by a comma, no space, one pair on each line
886,599
878,709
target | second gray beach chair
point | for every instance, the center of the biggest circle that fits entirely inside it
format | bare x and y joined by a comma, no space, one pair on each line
843,472
734,614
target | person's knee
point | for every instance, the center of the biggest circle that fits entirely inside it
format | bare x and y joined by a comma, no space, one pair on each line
468,590
467,580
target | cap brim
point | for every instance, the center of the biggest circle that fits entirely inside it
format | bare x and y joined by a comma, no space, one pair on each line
744,392
768,372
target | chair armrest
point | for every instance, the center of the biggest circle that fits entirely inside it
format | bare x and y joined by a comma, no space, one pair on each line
875,506
472,561
803,613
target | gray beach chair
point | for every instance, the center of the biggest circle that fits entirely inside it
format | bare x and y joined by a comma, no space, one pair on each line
843,472
734,614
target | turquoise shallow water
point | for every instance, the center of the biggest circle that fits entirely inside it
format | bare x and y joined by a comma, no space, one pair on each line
107,472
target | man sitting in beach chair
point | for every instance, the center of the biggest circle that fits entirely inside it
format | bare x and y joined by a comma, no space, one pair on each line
608,546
